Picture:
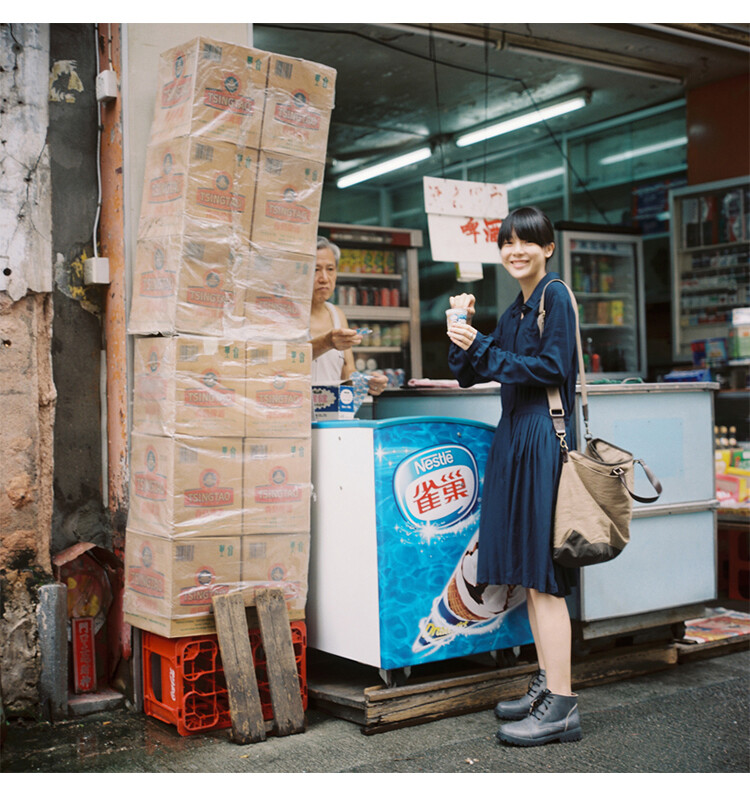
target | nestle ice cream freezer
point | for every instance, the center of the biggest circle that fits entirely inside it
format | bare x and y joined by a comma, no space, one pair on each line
395,518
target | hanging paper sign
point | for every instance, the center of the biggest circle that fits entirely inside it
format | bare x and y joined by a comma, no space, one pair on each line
464,219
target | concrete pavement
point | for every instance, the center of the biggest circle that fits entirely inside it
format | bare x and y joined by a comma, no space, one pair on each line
692,718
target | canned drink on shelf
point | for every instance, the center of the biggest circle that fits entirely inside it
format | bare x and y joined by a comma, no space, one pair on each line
385,297
364,296
395,297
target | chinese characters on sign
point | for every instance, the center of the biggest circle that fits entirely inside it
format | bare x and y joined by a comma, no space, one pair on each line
428,496
464,219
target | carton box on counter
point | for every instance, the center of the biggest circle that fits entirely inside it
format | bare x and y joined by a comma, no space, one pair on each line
333,401
277,294
195,177
192,385
213,89
287,203
277,389
188,282
276,561
276,485
169,584
183,486
299,101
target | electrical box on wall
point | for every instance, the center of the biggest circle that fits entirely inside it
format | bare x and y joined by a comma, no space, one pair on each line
106,86
96,270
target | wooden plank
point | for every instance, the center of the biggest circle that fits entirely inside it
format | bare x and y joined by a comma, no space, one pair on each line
239,670
413,704
283,678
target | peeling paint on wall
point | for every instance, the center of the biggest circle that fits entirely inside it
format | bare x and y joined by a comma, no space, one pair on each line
25,205
69,280
64,82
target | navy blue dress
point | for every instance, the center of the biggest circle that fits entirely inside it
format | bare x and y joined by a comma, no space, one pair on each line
523,465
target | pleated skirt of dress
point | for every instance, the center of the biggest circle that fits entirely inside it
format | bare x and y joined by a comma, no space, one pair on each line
518,501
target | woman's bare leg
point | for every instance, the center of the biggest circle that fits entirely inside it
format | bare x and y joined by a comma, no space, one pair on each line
552,636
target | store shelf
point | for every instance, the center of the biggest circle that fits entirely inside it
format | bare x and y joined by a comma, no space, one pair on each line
377,313
710,238
367,276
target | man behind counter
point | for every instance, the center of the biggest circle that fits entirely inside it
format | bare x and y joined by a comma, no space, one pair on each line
332,338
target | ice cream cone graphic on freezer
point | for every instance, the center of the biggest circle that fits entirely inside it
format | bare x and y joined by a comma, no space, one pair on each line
466,607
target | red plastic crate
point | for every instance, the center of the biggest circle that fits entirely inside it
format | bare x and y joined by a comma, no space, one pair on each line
184,685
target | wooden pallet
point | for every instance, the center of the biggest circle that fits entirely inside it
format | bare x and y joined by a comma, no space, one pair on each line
248,725
340,687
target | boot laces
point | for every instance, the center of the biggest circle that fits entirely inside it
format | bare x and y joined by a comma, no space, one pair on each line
541,703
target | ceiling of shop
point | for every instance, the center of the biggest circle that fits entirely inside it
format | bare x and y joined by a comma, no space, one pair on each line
401,86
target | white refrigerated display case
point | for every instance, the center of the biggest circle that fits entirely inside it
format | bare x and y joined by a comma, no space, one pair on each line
605,271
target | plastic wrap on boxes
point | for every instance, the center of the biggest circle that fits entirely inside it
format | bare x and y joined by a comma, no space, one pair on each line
277,294
287,202
184,486
299,100
199,178
276,486
169,584
213,89
276,561
190,282
193,385
222,283
278,390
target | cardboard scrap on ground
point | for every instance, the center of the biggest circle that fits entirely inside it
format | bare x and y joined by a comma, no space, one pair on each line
721,624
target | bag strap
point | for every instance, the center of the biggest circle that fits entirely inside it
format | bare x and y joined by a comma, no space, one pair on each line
620,473
554,399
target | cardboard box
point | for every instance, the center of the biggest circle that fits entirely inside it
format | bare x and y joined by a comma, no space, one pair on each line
278,294
299,100
334,401
169,584
188,282
192,385
184,486
200,178
213,89
277,389
276,561
287,203
276,486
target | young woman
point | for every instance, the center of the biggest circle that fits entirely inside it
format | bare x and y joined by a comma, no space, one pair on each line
523,466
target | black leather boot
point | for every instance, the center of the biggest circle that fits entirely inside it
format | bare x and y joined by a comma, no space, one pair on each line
519,708
553,718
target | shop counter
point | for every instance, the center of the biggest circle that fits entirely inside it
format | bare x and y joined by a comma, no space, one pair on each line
671,560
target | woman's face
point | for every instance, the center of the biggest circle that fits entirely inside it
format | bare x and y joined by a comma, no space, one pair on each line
525,261
325,275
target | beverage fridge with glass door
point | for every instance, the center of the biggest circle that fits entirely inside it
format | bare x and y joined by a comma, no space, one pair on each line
604,269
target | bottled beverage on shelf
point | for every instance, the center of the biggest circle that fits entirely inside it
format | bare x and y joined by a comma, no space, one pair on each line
577,273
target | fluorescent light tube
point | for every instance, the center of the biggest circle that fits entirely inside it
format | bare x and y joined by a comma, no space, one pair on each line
642,151
535,178
514,123
392,164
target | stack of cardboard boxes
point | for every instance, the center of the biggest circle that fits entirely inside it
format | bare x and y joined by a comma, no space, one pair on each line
225,262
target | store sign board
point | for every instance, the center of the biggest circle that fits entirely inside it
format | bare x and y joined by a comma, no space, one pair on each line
464,219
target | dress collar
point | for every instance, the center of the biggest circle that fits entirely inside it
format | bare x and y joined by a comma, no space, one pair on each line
520,307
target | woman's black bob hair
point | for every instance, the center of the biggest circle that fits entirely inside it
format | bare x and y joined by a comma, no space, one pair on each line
529,224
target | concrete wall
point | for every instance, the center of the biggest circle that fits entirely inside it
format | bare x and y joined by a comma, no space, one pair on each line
27,393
